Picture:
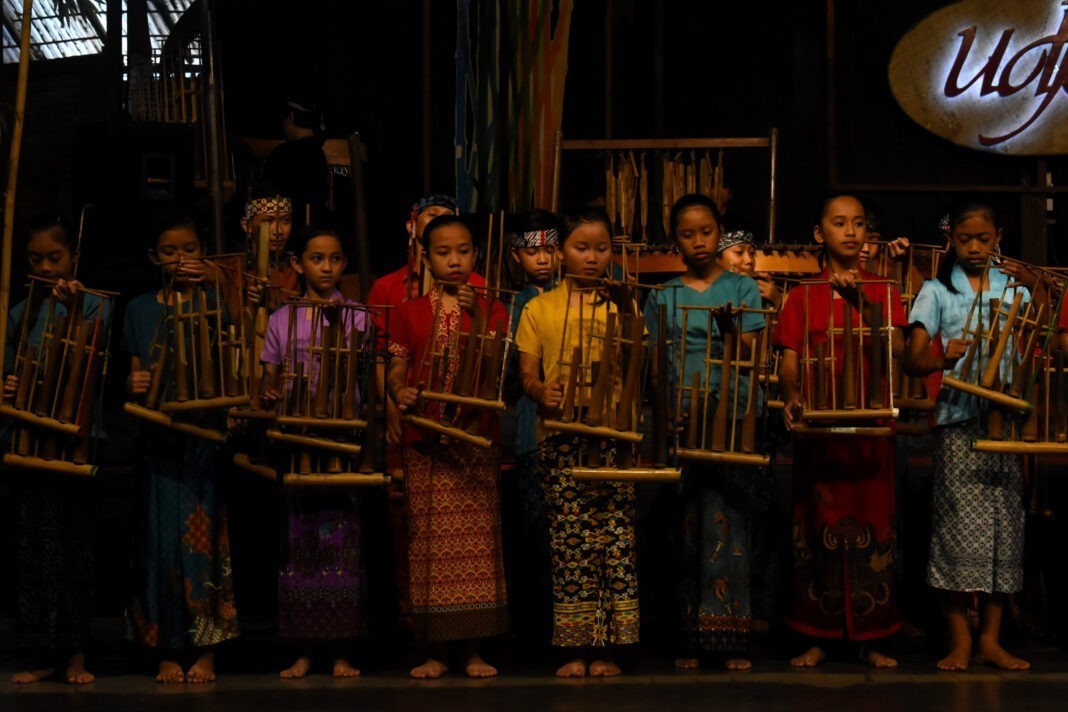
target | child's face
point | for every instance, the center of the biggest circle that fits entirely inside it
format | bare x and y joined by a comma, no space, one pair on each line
843,230
697,236
423,218
974,240
870,252
537,263
740,258
450,256
280,227
321,263
587,252
181,243
49,257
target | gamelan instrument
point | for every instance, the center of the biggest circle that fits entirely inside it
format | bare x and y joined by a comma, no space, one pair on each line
846,363
721,402
59,379
329,420
198,359
604,366
1013,363
461,381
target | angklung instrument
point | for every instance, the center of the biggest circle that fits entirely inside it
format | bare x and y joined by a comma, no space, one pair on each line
606,377
198,359
846,366
461,382
1014,364
720,404
912,394
328,422
58,395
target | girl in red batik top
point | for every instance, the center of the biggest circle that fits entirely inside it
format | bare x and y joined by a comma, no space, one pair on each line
843,490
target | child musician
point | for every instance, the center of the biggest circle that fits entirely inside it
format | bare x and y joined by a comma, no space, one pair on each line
843,490
185,603
716,501
591,525
456,572
321,582
54,569
977,515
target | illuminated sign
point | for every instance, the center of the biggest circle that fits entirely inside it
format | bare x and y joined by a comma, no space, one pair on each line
989,74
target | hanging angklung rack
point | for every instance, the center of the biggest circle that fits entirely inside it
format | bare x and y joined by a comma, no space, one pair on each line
846,370
1013,363
463,381
644,177
58,381
919,264
720,419
197,358
329,416
605,379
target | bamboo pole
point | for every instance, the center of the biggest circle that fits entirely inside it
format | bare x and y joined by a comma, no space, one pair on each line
13,167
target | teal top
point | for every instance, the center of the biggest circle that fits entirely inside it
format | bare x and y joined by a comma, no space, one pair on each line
526,410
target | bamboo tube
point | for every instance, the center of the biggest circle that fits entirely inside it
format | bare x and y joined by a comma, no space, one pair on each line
604,385
326,374
659,385
878,346
207,368
844,431
455,433
196,404
995,424
31,418
53,365
300,421
1060,385
352,368
490,379
181,363
854,414
624,419
154,416
993,366
245,462
341,479
694,426
610,190
466,381
749,421
588,431
822,401
849,363
568,409
310,441
1021,376
643,188
1020,448
74,374
369,459
41,465
27,377
735,458
231,362
612,474
1001,398
18,120
726,395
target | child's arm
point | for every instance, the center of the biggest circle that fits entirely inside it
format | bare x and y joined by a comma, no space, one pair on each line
11,386
270,394
921,359
404,395
139,380
547,395
790,385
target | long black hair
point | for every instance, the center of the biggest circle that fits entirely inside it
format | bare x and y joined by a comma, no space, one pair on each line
962,210
572,220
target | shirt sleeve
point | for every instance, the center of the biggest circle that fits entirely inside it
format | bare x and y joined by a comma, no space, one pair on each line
926,308
272,341
527,338
399,336
788,331
129,342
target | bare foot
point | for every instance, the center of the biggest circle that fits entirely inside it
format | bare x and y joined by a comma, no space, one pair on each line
992,653
28,676
604,668
170,672
810,658
430,670
687,663
297,670
76,672
477,667
203,670
876,659
738,664
343,668
957,660
575,668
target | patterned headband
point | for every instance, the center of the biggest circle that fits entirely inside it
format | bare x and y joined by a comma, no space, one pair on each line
735,237
535,238
275,204
432,200
944,225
